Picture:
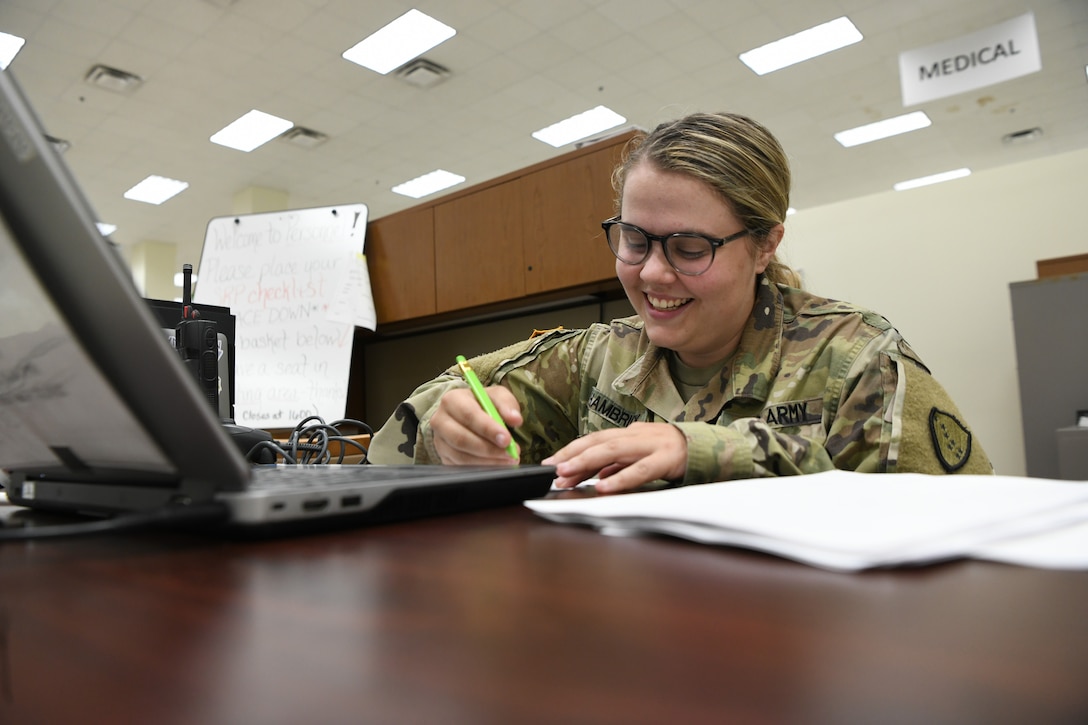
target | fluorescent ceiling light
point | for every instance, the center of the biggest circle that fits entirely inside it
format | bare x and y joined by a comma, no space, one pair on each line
810,43
9,48
407,37
156,189
421,186
883,129
934,179
251,130
105,229
579,126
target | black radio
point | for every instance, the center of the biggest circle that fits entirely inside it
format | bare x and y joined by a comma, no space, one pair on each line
197,341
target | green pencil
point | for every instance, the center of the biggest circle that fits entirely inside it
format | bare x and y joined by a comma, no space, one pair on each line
485,401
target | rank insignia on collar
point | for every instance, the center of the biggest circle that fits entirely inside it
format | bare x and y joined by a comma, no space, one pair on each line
951,440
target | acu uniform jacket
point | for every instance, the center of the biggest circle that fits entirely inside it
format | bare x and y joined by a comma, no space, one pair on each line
814,384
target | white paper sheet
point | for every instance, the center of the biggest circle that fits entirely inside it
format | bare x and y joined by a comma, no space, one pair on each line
852,521
1061,548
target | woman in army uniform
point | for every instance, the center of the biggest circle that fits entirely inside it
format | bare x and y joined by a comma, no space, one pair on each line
728,370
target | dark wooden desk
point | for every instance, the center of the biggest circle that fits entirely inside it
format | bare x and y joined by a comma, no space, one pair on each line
501,617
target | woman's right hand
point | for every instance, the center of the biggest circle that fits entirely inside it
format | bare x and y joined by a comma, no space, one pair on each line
463,432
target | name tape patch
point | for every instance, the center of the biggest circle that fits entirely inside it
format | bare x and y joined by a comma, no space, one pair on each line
610,410
794,413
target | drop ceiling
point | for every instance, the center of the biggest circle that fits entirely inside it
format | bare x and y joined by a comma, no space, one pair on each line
515,66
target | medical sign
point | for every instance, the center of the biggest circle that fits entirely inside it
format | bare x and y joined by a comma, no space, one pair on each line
998,53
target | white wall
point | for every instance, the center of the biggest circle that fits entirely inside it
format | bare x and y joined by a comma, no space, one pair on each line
937,261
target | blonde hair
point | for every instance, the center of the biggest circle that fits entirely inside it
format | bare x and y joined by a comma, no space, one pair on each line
737,157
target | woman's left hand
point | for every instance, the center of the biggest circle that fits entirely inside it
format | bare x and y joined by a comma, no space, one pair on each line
622,458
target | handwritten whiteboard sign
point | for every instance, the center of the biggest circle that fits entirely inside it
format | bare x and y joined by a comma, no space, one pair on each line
285,276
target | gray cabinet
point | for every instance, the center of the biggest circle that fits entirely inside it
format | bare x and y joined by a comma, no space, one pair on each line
1050,323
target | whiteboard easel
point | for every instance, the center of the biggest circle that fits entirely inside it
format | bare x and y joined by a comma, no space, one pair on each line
296,282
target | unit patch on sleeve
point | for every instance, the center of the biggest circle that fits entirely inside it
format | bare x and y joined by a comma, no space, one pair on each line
794,413
951,440
610,410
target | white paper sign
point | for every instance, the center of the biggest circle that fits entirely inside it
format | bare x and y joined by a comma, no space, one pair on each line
998,53
285,276
353,303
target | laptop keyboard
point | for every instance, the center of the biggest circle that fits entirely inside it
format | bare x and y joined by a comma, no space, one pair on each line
269,477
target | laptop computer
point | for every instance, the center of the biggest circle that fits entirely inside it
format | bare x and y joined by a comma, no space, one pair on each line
99,415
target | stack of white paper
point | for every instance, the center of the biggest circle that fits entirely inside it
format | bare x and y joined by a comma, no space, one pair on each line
853,521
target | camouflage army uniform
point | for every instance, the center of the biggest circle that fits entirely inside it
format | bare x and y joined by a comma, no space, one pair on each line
814,384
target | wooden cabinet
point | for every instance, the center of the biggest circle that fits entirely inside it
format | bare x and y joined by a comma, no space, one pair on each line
400,257
530,233
478,250
564,206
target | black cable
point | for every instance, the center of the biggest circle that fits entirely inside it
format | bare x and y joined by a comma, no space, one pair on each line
351,421
171,514
344,440
302,423
308,443
315,449
254,455
344,443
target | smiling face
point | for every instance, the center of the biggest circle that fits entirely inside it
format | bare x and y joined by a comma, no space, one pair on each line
700,318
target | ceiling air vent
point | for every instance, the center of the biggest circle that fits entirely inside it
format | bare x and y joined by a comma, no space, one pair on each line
59,144
307,138
1021,137
112,79
422,73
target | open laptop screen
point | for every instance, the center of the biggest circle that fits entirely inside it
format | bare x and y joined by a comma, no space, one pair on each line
68,281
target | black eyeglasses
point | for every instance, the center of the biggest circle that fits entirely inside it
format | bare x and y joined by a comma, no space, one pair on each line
687,252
